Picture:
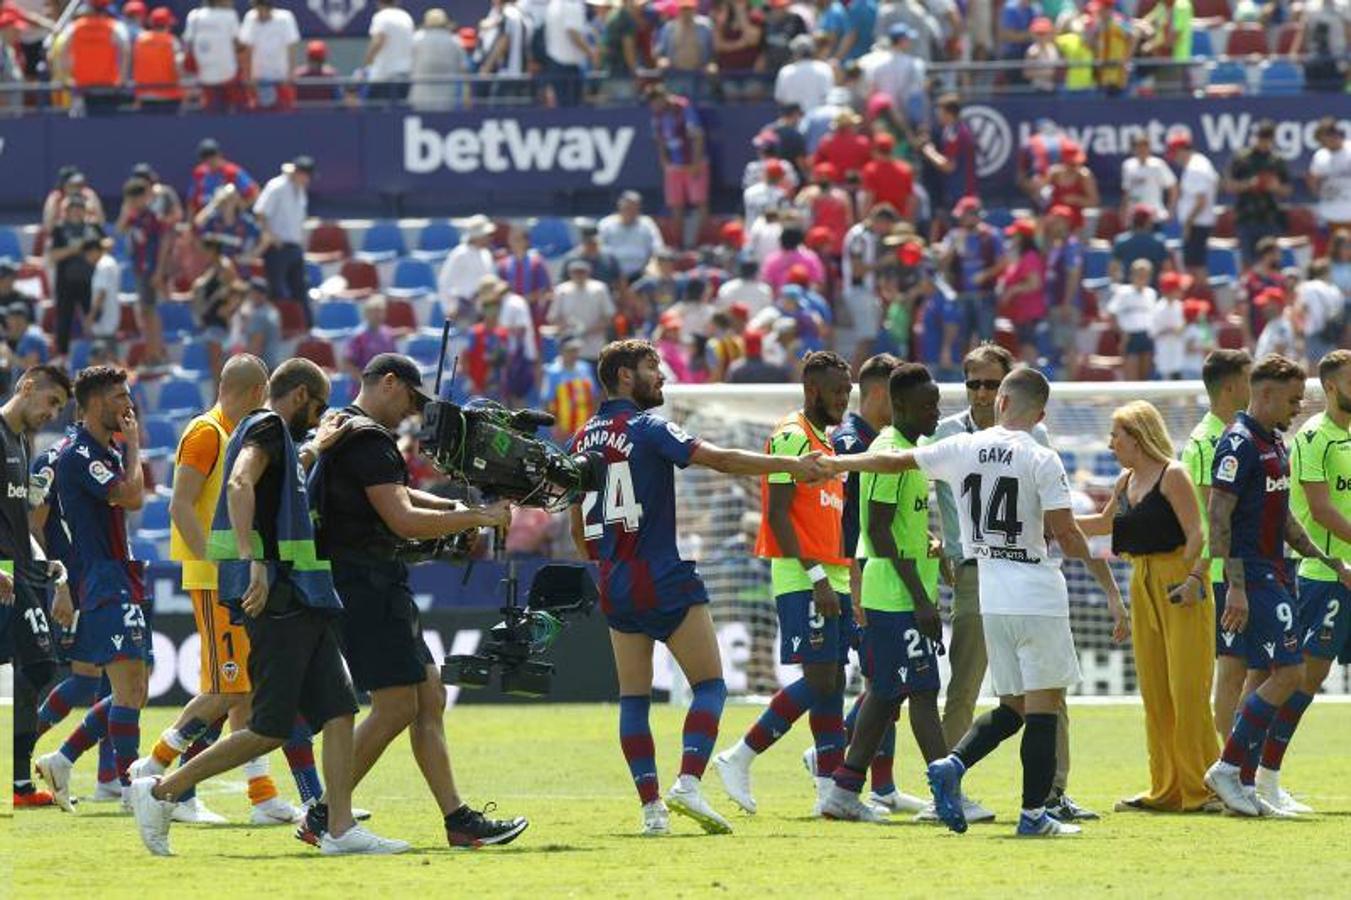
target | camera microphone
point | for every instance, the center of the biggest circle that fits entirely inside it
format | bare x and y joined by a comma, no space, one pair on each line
531,418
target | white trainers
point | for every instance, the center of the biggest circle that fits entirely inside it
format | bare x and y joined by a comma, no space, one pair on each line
194,812
275,811
107,792
1044,826
687,799
1223,779
358,840
809,760
971,809
1290,804
735,772
849,807
153,817
1269,788
898,802
656,819
145,767
1269,810
54,769
823,788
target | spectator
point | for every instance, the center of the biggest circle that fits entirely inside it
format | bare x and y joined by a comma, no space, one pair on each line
681,150
782,24
1264,273
97,51
1170,22
523,365
746,290
26,342
156,59
827,209
314,79
777,265
70,181
9,293
971,255
212,171
1015,34
148,247
389,56
489,343
817,124
863,251
1043,60
893,70
1064,271
670,343
805,81
526,271
1132,310
211,34
619,52
887,180
466,266
1022,286
631,237
684,49
604,266
752,368
270,37
764,235
725,345
1198,187
232,225
217,295
1320,37
844,147
1146,179
1141,242
1329,175
1339,254
504,36
258,323
569,389
281,209
1320,307
1260,178
858,19
1168,327
74,271
566,49
373,339
767,194
1278,332
1077,55
583,307
1110,35
1198,337
1046,146
11,65
104,314
133,16
737,39
783,139
164,200
954,155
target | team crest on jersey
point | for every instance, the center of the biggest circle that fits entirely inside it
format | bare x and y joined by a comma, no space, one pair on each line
1228,469
100,473
230,671
1291,642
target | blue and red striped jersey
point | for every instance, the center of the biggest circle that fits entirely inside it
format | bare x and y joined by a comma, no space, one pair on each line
104,572
55,531
630,523
1252,464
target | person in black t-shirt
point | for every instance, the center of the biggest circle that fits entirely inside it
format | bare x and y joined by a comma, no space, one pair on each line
74,271
366,511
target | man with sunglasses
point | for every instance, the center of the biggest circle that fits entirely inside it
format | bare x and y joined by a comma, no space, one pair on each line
367,513
984,369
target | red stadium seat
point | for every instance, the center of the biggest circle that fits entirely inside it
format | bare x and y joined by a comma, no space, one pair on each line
1211,9
1099,369
1109,224
328,243
1225,224
502,229
127,326
1006,337
318,351
1301,221
1247,39
1230,336
400,315
1109,342
362,278
1285,37
292,318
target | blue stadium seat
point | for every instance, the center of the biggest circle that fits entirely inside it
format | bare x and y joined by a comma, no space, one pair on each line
161,437
1229,72
1202,46
195,360
1070,460
999,218
382,242
412,278
1280,76
1223,265
176,319
128,283
552,237
145,549
436,240
314,274
425,350
1289,257
179,396
11,247
154,519
342,390
120,248
336,319
79,354
1096,260
1105,465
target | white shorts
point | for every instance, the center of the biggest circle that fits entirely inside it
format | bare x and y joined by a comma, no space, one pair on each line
1030,653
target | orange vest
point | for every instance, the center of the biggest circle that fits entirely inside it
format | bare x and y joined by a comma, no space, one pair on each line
817,513
93,53
154,68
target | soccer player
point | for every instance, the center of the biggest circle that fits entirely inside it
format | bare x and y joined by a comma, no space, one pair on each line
1249,525
25,635
1320,498
223,681
268,571
1010,487
1225,375
801,532
648,593
902,628
97,484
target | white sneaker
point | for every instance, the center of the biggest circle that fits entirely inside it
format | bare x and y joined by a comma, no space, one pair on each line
126,800
688,800
145,767
194,812
1290,804
809,761
153,817
1269,810
54,769
107,792
656,819
275,811
1223,779
735,773
849,807
971,809
1269,789
358,840
1045,826
898,802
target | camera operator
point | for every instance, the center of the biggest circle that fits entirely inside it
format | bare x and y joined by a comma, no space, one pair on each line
367,515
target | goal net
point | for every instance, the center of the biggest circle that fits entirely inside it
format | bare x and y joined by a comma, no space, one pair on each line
719,516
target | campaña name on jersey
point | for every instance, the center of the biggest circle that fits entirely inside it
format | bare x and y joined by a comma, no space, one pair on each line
502,145
615,440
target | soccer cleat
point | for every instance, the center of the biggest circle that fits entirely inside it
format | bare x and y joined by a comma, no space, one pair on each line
1269,789
474,829
145,767
153,817
54,769
945,780
1290,804
1267,809
975,813
809,760
1133,804
846,806
736,779
31,798
194,812
898,802
1063,809
107,792
359,841
656,819
688,800
1044,825
314,824
1223,779
275,811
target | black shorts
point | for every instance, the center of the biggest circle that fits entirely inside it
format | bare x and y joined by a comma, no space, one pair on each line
295,665
26,633
1194,254
382,632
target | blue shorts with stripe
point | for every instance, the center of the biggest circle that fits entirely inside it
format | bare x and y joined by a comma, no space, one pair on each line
897,659
1326,618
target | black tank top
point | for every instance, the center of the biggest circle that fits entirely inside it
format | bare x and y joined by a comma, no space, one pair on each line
1149,526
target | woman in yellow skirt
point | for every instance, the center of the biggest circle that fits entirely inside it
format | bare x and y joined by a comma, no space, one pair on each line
1155,521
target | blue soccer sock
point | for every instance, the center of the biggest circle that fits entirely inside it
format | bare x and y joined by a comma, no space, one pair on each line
299,750
75,692
202,736
89,731
107,762
701,725
785,708
1283,729
635,739
882,773
124,727
827,723
1250,729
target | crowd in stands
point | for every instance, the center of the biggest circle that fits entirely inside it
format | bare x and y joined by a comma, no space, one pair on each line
114,55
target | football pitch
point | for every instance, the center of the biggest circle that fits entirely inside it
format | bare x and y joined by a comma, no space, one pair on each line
561,767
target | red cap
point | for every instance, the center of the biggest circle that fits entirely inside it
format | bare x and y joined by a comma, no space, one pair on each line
316,50
733,232
754,342
739,310
877,103
797,273
468,37
778,4
1195,308
1041,25
10,17
1074,154
1022,226
910,253
825,172
133,9
969,203
1178,141
1142,212
884,142
774,169
670,320
817,236
1061,211
1270,296
1175,281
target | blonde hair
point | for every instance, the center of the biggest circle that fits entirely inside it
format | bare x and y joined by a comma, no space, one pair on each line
1142,421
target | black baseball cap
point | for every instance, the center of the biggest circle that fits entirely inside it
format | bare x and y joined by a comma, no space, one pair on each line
304,163
402,368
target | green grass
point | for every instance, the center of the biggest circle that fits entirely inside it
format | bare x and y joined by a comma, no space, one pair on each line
561,766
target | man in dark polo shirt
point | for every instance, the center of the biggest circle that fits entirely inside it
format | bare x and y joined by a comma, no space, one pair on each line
367,512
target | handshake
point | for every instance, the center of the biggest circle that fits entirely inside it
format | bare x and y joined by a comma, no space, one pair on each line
811,468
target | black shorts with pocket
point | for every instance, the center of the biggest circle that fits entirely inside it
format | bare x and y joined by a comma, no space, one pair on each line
31,627
381,628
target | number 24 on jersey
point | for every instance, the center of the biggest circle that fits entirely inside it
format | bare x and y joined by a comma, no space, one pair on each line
621,504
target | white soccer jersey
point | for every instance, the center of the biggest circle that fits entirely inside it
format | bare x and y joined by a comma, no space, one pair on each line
1003,482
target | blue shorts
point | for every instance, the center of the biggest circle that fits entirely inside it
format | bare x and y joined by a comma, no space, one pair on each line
658,624
1326,617
111,633
805,637
1273,633
1227,643
897,659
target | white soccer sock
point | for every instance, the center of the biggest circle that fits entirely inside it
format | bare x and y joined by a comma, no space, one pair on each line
1268,777
742,754
688,783
256,768
175,740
